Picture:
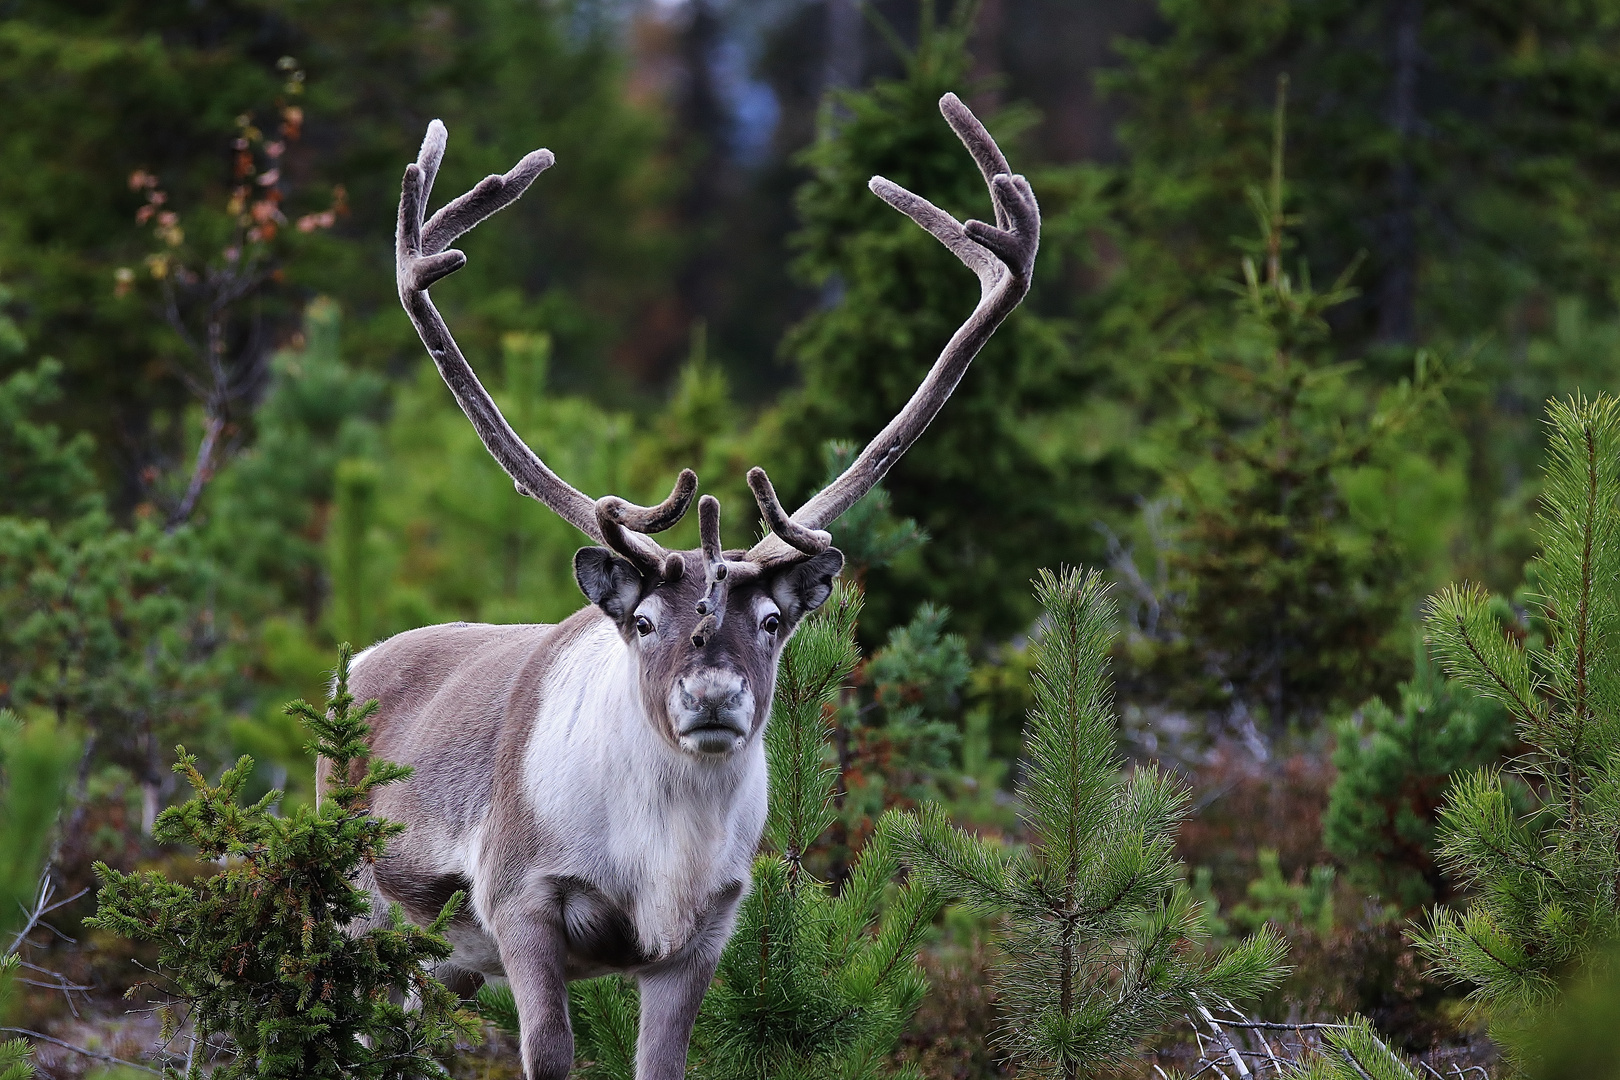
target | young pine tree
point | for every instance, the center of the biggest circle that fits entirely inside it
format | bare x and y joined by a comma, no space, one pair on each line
258,952
1393,769
1101,936
1545,884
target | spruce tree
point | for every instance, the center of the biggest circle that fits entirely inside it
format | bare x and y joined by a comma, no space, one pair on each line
1393,769
1101,936
259,952
1286,590
1544,885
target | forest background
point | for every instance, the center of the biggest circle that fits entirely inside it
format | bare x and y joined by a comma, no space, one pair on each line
1310,272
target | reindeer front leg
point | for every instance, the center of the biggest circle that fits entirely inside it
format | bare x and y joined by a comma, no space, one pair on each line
672,994
533,950
670,998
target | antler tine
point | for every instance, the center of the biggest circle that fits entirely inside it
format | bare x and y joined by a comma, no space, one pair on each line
801,539
986,154
417,266
1003,257
713,605
491,194
624,525
653,519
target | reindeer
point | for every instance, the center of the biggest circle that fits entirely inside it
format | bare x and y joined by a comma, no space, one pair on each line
597,787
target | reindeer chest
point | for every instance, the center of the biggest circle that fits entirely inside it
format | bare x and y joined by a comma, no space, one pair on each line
673,855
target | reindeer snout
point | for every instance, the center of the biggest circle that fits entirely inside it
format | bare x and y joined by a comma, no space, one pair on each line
713,711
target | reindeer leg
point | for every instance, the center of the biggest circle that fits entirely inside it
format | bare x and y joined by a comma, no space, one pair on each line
533,950
670,998
672,993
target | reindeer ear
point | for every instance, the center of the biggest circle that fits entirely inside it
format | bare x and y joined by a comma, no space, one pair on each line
804,586
609,582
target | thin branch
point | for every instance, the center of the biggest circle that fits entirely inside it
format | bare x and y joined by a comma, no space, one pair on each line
93,1054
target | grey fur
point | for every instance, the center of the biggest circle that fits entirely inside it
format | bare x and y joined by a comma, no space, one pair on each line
597,787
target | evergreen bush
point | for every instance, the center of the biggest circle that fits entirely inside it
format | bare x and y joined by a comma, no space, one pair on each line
1393,770
1101,936
1544,884
259,952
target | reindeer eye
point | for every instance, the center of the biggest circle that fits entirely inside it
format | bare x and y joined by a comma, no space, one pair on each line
644,625
770,624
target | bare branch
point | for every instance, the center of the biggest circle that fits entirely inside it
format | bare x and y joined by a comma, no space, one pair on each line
96,1055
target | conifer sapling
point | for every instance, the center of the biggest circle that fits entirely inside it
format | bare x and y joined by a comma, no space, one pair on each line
259,953
1101,935
1544,883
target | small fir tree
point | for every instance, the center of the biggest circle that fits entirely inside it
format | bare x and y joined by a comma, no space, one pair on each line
258,952
1393,769
1545,884
1100,934
1287,593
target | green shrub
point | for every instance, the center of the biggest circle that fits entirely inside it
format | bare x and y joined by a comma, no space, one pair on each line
259,952
1393,769
1100,935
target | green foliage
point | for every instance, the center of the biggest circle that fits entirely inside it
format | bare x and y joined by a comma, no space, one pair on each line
1464,152
35,762
102,627
1393,769
1544,884
1580,1040
1354,1051
1286,601
812,985
1099,930
870,534
14,1055
899,747
34,767
266,513
110,88
259,953
1271,899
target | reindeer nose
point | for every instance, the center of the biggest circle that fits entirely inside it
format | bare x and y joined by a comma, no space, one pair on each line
712,692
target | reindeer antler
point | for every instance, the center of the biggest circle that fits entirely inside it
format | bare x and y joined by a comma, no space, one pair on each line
1003,257
420,259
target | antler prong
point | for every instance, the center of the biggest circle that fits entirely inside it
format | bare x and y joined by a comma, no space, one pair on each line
713,605
491,194
419,261
807,541
653,519
1003,257
986,154
624,526
942,225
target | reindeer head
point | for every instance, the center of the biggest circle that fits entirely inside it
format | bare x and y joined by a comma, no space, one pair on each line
706,627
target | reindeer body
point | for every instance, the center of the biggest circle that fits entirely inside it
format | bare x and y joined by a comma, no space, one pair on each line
598,787
539,779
